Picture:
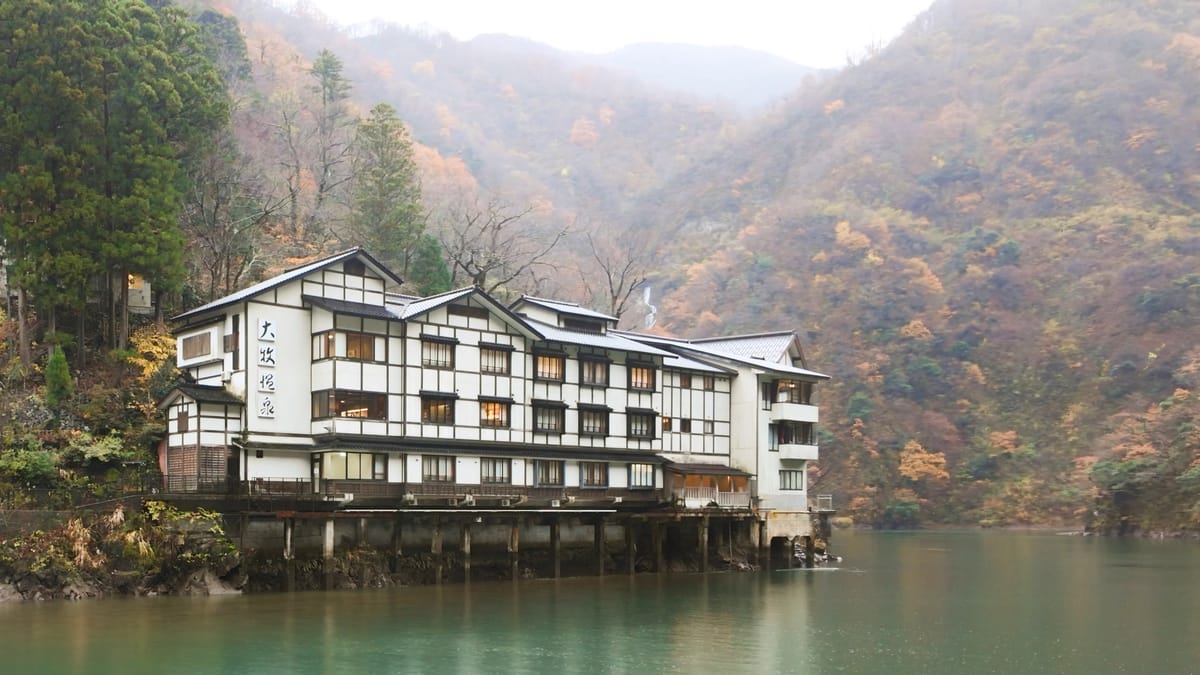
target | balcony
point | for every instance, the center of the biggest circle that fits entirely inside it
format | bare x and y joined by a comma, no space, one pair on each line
709,497
797,451
793,412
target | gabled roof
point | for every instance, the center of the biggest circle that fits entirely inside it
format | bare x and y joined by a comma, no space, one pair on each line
607,340
769,346
684,363
714,348
201,393
562,307
424,305
291,275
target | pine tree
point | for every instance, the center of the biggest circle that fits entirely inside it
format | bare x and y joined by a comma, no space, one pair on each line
59,386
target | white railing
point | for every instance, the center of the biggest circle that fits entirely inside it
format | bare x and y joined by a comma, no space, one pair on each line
704,497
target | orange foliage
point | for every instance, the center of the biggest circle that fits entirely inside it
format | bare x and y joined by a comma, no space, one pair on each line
849,239
917,463
974,373
1004,441
583,133
917,330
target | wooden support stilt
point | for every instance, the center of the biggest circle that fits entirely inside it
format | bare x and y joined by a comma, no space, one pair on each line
397,534
810,552
514,549
659,559
466,551
556,547
289,553
598,545
435,548
327,550
630,547
703,543
362,532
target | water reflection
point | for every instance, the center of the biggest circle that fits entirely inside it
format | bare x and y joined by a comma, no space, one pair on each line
905,603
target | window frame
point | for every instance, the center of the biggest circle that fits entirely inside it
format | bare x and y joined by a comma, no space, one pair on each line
378,463
787,484
590,368
488,473
548,375
329,404
559,468
647,376
556,410
489,355
437,475
599,418
644,416
437,353
325,346
593,475
637,471
685,380
709,383
429,399
194,344
503,420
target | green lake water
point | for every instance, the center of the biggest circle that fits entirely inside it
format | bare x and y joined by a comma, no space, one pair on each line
922,602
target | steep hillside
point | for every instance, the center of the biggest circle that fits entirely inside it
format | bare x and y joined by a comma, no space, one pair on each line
988,232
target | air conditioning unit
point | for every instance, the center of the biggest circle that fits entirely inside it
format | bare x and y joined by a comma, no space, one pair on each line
555,503
409,498
570,499
453,501
617,500
468,500
505,502
226,376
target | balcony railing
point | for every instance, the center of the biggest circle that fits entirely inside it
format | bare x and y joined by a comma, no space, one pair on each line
708,497
797,451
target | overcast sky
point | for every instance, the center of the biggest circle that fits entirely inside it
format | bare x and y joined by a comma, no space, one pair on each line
818,33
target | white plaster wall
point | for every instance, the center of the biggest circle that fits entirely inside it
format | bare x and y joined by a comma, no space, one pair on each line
279,464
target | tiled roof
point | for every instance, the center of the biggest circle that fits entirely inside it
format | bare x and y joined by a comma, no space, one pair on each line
715,348
563,307
684,363
418,307
294,273
772,347
202,393
604,341
704,469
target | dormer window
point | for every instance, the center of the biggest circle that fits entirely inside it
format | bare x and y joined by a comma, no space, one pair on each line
355,267
583,325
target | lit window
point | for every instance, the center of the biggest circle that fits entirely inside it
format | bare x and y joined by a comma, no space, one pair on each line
437,469
344,345
666,423
549,367
492,470
343,403
641,377
641,475
593,474
494,413
437,354
353,466
437,409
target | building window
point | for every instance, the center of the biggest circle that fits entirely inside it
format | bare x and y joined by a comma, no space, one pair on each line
495,361
791,433
584,325
666,423
548,417
641,476
710,383
469,311
593,474
685,426
437,469
641,377
495,471
791,479
182,419
549,367
593,372
354,346
593,421
437,354
793,391
195,346
437,409
494,413
547,473
641,424
685,381
353,466
708,426
342,403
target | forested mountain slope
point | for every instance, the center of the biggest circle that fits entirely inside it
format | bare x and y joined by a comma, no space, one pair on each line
985,232
988,234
